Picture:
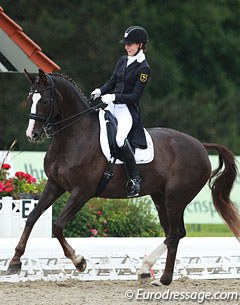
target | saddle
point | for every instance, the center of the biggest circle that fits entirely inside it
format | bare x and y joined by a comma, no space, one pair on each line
108,131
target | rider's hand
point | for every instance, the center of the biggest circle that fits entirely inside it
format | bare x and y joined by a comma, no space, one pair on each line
96,94
108,98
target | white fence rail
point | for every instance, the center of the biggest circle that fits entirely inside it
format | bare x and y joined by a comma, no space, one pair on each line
121,258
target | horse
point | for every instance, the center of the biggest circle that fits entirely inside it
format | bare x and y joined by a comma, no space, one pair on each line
74,163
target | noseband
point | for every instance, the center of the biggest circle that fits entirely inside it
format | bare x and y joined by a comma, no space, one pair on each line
48,120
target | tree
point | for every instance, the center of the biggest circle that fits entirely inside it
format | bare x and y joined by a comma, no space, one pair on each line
193,53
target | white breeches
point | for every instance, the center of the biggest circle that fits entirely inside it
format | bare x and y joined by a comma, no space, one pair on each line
124,119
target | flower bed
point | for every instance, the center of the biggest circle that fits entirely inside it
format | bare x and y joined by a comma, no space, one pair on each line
22,185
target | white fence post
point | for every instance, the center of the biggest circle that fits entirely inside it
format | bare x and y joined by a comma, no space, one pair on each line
5,219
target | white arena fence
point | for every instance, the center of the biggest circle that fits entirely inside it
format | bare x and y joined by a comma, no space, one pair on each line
13,216
107,258
120,258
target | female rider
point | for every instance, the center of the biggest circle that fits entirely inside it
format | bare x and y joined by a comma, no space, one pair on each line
122,93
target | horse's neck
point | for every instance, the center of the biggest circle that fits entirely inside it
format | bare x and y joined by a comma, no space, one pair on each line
82,126
77,124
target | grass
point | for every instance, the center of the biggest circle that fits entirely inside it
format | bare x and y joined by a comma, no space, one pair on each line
208,230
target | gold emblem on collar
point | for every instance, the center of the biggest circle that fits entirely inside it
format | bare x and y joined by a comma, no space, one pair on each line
143,77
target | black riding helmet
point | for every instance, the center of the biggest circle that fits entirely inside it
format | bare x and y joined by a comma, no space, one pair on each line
135,34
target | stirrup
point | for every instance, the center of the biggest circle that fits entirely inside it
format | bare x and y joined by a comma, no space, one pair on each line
133,188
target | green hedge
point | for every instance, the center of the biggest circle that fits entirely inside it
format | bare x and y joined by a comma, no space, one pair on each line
111,217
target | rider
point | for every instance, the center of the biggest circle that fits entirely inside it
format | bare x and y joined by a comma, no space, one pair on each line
122,93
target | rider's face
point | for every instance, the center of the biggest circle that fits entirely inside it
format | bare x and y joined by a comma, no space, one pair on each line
132,48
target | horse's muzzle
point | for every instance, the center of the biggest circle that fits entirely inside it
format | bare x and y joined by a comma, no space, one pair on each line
35,137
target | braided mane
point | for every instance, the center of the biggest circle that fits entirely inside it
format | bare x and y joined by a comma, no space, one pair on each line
83,96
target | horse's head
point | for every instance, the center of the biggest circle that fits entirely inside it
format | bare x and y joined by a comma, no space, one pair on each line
44,109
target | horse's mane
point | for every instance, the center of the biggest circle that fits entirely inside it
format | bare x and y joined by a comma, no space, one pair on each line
82,95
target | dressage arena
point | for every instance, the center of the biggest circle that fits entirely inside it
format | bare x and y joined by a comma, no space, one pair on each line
207,271
73,292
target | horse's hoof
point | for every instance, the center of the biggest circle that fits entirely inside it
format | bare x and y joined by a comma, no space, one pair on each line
82,265
166,280
14,269
144,278
156,283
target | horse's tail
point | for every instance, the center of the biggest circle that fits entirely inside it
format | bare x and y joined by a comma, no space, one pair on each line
221,184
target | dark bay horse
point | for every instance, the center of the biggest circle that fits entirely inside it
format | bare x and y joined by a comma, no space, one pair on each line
75,163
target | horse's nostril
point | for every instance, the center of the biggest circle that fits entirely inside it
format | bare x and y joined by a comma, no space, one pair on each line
33,137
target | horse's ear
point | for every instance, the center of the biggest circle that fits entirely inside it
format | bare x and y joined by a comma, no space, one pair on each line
43,77
29,76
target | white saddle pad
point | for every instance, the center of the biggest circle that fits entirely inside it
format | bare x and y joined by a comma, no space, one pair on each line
141,155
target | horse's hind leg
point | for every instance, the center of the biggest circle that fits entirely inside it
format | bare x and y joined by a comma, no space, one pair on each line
49,195
144,272
176,232
175,202
171,218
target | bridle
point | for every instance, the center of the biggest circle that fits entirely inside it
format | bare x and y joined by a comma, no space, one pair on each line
49,121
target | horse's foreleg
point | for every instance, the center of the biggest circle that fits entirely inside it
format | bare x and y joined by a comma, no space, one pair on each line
78,260
71,208
15,263
44,203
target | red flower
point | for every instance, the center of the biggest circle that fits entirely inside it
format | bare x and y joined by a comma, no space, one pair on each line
27,176
31,179
20,175
99,213
8,189
8,183
94,232
6,166
2,187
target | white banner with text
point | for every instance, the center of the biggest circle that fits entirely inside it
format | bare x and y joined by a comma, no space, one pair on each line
199,211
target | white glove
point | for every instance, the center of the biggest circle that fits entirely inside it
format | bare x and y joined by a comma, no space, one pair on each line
108,98
96,93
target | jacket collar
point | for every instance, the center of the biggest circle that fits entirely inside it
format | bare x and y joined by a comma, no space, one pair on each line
140,57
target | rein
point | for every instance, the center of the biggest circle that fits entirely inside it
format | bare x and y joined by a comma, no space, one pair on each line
49,120
78,117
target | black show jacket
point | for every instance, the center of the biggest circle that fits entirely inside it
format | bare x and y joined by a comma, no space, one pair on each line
128,83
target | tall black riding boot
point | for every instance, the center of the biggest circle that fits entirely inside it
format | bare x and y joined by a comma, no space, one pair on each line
134,178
